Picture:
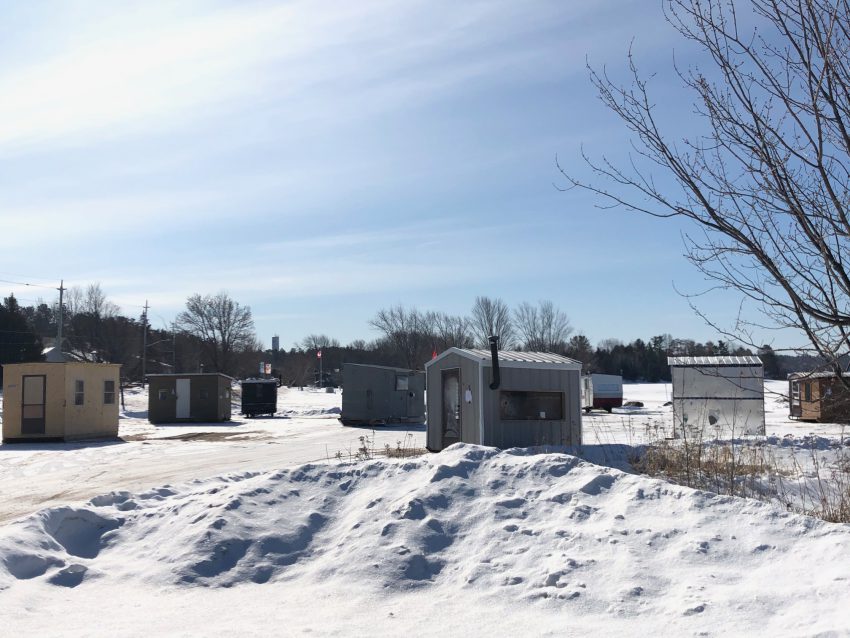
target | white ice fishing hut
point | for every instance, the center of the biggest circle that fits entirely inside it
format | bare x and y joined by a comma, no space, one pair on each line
717,397
502,399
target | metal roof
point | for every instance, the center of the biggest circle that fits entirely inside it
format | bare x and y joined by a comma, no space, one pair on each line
515,358
520,357
726,360
370,365
816,375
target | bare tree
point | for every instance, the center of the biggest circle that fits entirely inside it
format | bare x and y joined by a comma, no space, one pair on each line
73,301
450,331
224,327
94,330
410,332
492,317
317,342
765,178
543,327
94,302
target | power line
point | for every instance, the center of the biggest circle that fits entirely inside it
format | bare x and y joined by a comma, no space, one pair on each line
23,283
19,276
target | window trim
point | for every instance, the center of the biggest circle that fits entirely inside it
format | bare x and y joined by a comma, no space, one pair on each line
108,394
559,416
79,392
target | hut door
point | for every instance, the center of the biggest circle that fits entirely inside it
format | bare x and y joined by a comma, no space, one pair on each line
32,404
451,406
182,387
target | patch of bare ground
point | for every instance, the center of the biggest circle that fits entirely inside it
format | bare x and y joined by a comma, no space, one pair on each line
202,436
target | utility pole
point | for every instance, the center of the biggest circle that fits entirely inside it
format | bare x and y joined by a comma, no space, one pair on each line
144,342
61,315
173,349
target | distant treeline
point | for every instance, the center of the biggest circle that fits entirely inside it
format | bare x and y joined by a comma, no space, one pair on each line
636,361
215,333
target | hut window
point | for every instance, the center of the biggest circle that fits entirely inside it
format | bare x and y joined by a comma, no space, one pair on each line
163,395
204,393
79,392
401,382
108,392
807,390
531,406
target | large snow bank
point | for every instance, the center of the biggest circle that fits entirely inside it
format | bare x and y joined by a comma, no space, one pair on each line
546,539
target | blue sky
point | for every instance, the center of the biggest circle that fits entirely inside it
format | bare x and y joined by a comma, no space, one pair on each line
320,160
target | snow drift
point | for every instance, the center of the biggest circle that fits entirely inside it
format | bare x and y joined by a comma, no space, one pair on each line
546,533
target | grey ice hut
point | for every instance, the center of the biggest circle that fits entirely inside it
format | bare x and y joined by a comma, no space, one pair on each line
380,394
537,401
176,398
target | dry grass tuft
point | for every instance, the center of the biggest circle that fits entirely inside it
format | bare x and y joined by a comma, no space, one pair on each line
404,448
751,469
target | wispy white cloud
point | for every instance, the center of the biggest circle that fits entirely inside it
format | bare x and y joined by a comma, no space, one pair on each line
307,58
309,150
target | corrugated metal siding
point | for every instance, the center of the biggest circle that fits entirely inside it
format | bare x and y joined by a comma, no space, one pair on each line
710,401
504,433
469,412
385,403
529,433
521,357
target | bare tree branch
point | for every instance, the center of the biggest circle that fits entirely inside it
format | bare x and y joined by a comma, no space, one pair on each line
766,177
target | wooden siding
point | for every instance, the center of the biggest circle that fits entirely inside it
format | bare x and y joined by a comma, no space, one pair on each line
829,401
209,398
63,418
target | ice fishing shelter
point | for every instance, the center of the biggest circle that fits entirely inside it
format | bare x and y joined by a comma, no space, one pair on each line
601,391
512,399
60,401
259,396
720,396
819,396
202,397
380,394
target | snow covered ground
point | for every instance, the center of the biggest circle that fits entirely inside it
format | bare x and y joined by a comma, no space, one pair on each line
306,428
248,528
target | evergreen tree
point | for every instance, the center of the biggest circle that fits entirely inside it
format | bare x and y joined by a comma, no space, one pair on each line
771,363
18,343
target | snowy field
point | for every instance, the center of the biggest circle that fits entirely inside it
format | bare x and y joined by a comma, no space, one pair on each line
254,528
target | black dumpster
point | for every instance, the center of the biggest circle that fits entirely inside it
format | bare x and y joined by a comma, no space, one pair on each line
259,396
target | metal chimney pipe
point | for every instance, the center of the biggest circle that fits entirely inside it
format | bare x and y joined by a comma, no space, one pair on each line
494,356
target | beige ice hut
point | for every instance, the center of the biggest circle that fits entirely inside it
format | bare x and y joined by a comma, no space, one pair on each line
504,399
60,401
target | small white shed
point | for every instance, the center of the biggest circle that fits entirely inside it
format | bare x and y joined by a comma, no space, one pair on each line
717,397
